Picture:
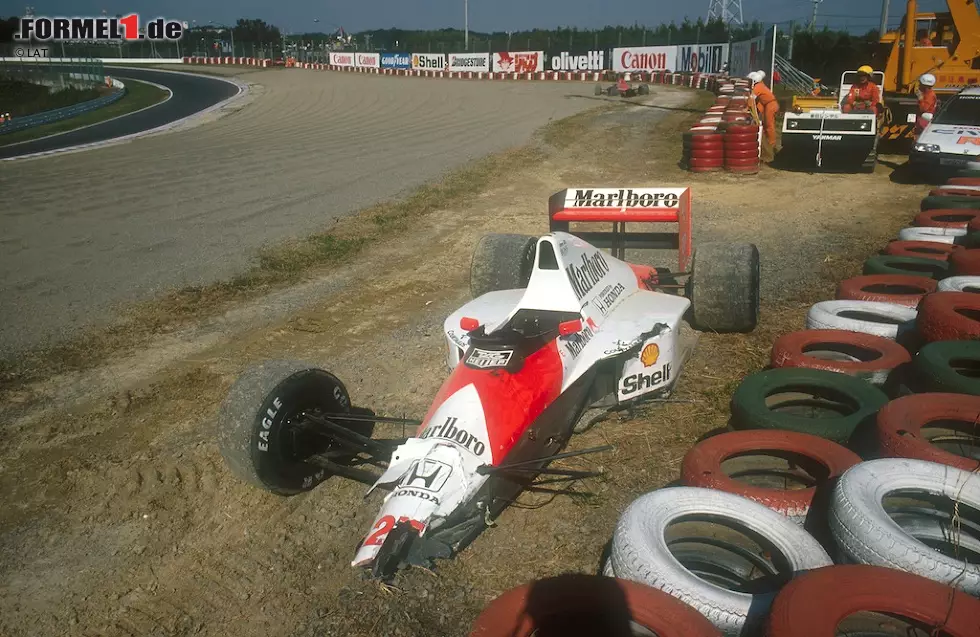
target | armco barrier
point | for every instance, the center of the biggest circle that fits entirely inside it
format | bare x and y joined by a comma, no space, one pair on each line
58,114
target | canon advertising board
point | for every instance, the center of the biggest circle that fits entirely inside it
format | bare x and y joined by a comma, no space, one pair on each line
591,61
476,62
367,60
429,61
644,58
704,58
342,58
396,60
518,62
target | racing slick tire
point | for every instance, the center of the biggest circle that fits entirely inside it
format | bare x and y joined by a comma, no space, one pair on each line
900,423
612,91
598,89
949,316
256,433
870,317
829,601
643,89
724,287
915,266
865,356
867,534
856,402
943,218
820,461
921,249
703,571
886,288
579,604
960,284
951,201
949,366
501,262
932,233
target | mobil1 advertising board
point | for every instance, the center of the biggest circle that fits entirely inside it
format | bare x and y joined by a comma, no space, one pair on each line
477,62
632,59
701,58
396,60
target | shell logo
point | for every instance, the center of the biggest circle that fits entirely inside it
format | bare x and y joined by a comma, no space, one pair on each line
415,60
650,354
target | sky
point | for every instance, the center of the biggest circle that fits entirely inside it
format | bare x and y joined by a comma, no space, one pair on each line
497,15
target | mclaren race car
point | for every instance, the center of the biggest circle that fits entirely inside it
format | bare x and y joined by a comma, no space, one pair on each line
624,88
559,330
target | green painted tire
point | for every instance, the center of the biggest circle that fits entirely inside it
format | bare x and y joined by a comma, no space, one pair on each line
935,369
950,201
751,411
909,266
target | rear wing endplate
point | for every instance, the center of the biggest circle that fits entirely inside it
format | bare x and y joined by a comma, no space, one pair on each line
620,206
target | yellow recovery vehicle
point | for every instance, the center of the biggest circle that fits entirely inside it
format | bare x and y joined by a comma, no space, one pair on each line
944,44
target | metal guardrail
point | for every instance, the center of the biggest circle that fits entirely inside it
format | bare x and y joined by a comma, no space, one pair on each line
58,114
794,78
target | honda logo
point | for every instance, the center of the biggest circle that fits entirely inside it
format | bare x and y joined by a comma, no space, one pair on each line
430,475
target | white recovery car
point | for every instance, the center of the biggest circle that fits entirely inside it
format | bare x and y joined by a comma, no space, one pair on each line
951,141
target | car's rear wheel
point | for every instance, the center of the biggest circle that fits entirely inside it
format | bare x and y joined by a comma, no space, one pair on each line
501,262
724,287
261,433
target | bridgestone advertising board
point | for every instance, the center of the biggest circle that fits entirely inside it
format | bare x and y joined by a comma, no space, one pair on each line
477,62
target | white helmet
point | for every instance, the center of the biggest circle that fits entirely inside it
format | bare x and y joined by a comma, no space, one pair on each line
761,74
755,76
627,77
927,79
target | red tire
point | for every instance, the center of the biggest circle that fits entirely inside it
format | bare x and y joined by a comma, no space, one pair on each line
703,146
736,146
746,170
815,603
964,262
741,163
974,225
741,154
715,162
564,605
703,137
797,349
741,139
706,169
900,423
702,466
947,191
900,289
948,316
946,218
924,249
963,181
742,129
707,153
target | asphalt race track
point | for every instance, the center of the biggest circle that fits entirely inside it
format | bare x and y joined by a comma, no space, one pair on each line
191,93
82,234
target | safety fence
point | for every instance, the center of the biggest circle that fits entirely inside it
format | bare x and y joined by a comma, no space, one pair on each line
57,114
63,73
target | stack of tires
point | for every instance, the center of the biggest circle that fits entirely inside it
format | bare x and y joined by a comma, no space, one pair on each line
742,147
703,150
848,478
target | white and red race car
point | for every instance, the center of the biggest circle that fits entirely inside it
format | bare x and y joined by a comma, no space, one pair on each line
558,329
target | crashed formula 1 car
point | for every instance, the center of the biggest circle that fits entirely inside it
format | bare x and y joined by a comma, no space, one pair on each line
558,329
624,88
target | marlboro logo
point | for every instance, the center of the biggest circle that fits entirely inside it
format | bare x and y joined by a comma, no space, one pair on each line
621,199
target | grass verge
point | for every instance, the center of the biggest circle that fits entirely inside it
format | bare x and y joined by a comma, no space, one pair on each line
138,95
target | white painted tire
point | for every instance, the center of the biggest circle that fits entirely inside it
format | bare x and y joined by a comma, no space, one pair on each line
640,552
867,534
958,283
826,315
939,235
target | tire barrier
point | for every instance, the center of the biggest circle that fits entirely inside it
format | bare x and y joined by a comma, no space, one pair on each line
827,461
849,401
576,604
931,233
965,262
867,534
949,316
821,603
869,317
921,249
900,423
960,284
950,201
865,356
912,266
900,289
703,151
640,552
946,218
734,145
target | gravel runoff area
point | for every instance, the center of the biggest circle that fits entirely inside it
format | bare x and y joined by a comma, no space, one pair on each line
86,232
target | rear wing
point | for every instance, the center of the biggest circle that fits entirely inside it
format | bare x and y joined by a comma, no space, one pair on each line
620,206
